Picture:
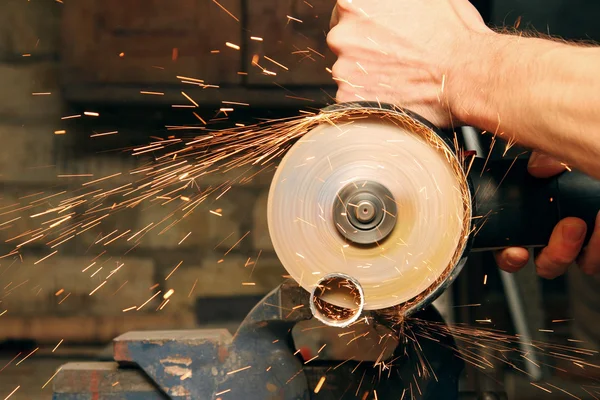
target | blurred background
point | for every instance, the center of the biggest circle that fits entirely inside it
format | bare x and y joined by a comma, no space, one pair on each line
82,82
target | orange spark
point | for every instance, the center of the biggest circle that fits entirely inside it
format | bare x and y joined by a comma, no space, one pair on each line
94,291
190,99
104,134
56,347
226,10
236,243
276,63
186,236
149,300
174,269
320,384
27,356
152,93
239,370
11,393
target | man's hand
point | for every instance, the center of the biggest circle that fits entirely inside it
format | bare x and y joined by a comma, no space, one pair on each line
566,241
404,52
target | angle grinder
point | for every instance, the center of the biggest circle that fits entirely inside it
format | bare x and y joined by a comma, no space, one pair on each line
376,209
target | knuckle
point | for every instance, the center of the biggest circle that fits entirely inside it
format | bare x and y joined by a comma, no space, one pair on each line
344,5
336,70
334,38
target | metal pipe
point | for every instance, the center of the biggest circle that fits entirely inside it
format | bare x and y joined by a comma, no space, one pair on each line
337,300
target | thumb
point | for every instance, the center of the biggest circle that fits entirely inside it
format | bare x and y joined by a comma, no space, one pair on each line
543,166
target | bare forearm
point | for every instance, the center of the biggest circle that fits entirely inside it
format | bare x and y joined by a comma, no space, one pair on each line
541,93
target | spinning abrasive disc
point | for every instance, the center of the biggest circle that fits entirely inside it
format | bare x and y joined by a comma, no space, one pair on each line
375,196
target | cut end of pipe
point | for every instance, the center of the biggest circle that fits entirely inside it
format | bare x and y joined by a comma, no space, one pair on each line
337,300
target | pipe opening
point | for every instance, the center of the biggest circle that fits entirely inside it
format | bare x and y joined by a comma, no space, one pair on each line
337,300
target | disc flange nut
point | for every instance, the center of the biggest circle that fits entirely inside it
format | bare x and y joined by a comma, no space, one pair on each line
365,212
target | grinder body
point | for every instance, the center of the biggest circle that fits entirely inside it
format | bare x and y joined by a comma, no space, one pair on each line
517,209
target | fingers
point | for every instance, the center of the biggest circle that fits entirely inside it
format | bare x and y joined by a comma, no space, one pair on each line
543,166
562,250
512,259
335,17
565,244
589,262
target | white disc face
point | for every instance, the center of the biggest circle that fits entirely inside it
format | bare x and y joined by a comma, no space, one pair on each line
429,222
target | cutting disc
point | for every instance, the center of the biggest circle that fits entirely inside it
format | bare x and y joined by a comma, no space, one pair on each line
426,206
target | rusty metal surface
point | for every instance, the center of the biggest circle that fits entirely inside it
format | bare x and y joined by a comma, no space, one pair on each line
103,380
259,362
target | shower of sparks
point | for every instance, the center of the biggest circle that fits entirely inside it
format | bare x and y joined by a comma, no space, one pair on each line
172,182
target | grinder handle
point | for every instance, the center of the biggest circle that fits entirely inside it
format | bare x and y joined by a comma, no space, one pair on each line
513,208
